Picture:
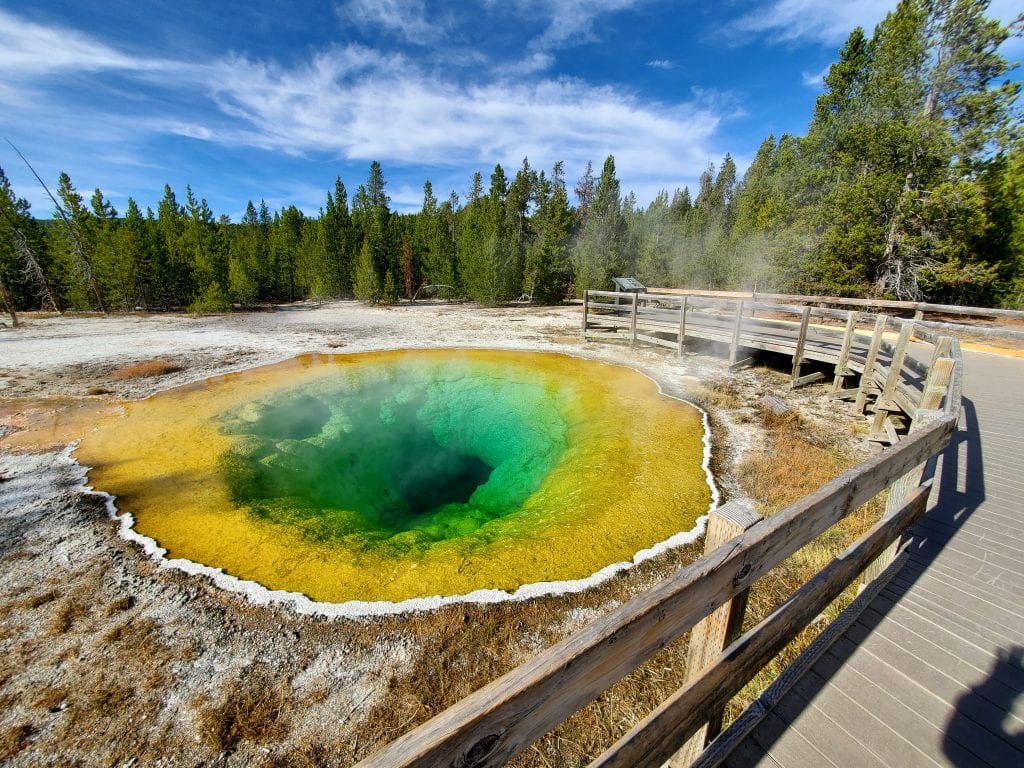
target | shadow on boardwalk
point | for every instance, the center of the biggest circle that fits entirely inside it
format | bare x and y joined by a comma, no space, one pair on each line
1001,688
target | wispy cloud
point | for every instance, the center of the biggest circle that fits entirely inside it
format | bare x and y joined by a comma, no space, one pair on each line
660,64
564,23
405,18
29,48
387,108
572,20
814,79
822,21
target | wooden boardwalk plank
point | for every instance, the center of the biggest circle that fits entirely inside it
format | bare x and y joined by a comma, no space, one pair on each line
950,586
970,542
974,613
817,740
933,646
861,723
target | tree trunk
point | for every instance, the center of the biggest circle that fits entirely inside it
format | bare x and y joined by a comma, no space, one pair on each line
8,303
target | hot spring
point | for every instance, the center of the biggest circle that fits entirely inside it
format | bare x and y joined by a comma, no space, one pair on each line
409,474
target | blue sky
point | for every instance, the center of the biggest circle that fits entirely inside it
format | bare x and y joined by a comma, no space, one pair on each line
275,99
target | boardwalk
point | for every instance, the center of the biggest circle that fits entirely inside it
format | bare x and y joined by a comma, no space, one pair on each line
931,673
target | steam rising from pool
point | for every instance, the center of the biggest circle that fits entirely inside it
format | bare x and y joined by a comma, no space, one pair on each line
404,475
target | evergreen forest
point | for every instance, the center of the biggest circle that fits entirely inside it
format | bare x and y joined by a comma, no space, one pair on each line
908,184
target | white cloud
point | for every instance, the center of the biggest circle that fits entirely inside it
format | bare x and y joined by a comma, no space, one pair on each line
572,19
660,64
830,23
389,109
815,79
566,23
406,18
34,49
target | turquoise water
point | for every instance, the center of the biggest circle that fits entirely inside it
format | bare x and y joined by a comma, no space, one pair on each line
420,451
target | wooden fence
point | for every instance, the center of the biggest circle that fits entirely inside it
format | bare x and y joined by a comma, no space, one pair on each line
503,718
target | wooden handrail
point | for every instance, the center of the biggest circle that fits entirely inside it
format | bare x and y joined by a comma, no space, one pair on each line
911,306
493,724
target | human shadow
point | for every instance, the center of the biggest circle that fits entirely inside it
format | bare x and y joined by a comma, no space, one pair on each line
1003,685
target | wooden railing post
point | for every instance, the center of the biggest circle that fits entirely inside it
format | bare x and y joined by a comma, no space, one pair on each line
735,346
935,388
586,307
714,633
682,327
798,353
867,379
844,354
632,319
880,427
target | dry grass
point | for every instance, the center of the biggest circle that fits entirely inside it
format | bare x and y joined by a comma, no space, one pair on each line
790,467
795,462
252,710
146,369
14,739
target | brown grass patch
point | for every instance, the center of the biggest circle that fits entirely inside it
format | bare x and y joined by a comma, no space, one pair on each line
145,369
14,739
796,462
119,605
51,699
68,612
252,710
790,467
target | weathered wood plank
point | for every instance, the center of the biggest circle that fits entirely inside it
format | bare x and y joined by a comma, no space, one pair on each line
735,345
892,378
682,326
801,342
632,317
810,378
719,628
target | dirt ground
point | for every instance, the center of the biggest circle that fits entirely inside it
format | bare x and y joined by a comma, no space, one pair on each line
108,658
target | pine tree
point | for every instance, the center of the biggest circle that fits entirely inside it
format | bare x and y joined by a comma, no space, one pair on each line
599,252
338,238
406,264
549,265
176,279
201,245
366,285
75,244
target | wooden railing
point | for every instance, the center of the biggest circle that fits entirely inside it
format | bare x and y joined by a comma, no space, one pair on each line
919,308
504,717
